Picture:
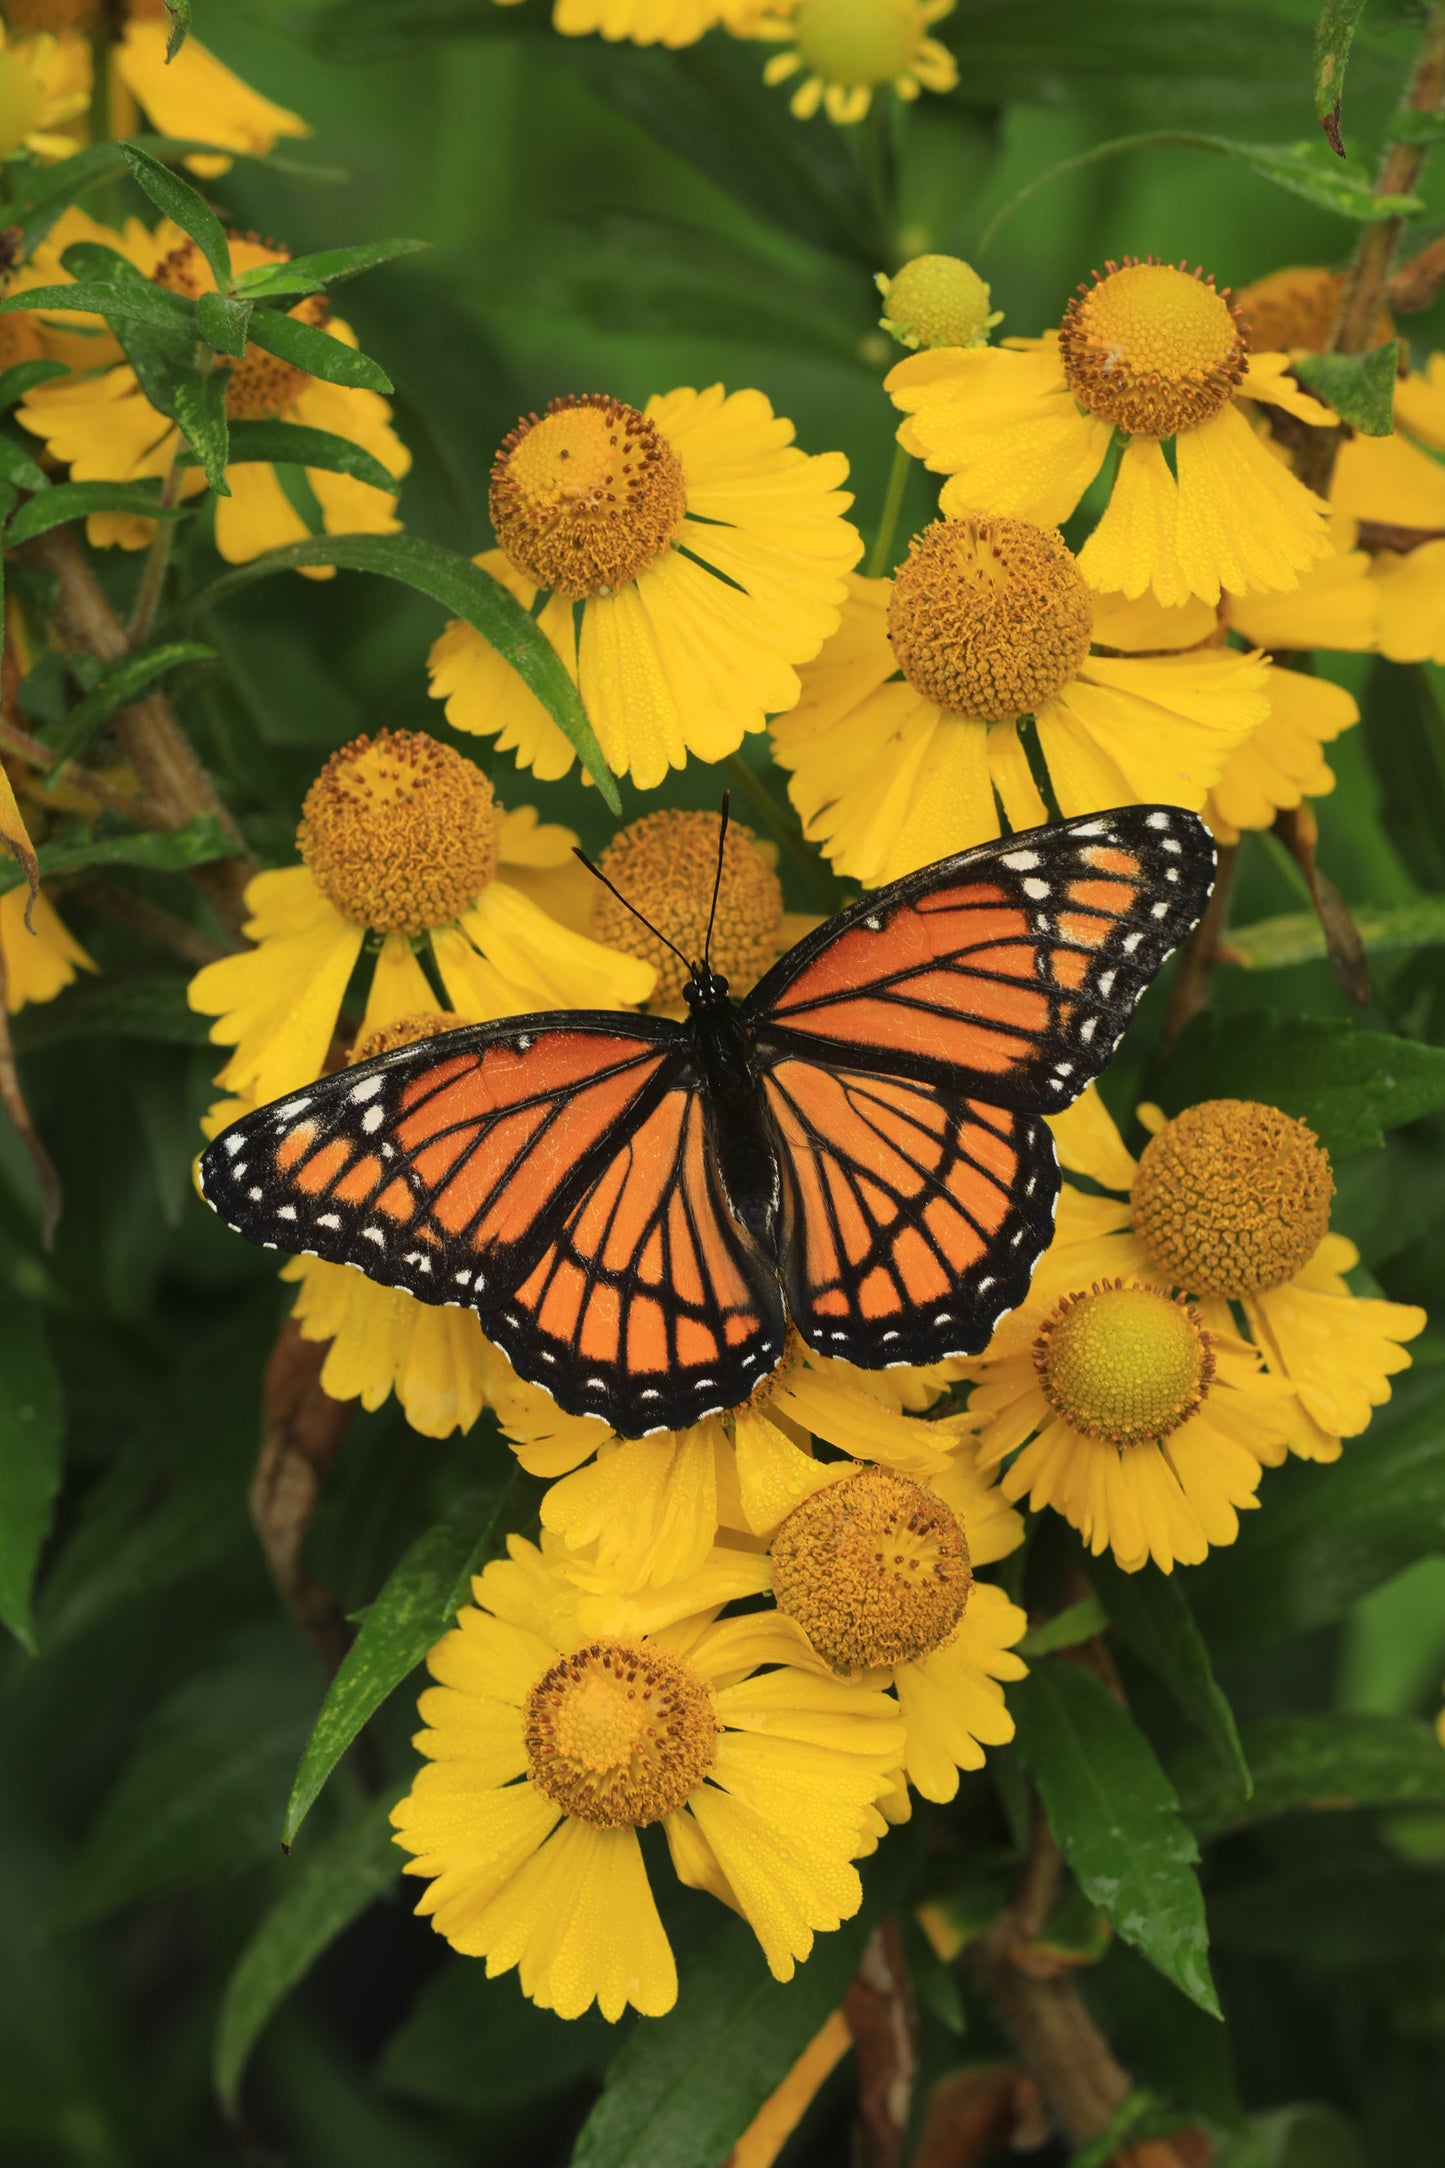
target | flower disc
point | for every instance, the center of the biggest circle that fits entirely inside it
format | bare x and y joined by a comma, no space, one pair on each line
989,617
1153,348
1232,1197
400,833
665,864
619,1734
1128,1364
874,1569
586,496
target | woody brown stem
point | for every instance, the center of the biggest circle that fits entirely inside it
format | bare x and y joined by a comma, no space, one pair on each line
12,1098
171,776
878,2007
301,1435
1201,951
22,746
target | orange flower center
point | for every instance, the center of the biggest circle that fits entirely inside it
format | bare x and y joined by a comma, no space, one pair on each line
402,1031
586,496
665,864
1128,1364
1232,1197
619,1734
989,617
399,832
1153,348
874,1569
1295,309
261,386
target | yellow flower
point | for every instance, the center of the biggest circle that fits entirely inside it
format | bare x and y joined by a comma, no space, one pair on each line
1230,1202
1281,761
851,48
105,429
39,957
401,839
192,95
1410,594
646,22
708,555
648,1509
665,865
44,82
1158,356
990,620
563,1722
877,1570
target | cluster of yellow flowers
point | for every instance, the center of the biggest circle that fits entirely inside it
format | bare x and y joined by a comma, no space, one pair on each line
765,1631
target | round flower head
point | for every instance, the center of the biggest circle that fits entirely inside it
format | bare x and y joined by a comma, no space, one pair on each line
849,49
665,864
647,1509
936,301
42,88
1230,1202
103,427
563,1722
189,93
707,555
908,728
1294,311
877,1569
1146,1428
1154,354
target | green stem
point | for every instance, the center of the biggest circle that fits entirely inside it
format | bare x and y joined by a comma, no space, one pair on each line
881,169
817,880
880,557
158,557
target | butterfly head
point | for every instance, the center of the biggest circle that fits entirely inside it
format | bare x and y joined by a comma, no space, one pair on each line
706,989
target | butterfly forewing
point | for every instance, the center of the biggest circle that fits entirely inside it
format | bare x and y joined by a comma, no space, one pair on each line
441,1167
651,1307
913,1216
1007,973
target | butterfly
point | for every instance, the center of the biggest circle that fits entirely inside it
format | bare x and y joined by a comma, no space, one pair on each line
636,1206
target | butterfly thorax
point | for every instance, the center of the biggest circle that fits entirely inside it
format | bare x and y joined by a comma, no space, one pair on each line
737,1117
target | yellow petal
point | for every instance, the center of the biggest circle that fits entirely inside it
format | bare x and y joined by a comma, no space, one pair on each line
1410,596
1089,1142
195,95
1244,520
39,953
484,694
1135,547
15,836
564,970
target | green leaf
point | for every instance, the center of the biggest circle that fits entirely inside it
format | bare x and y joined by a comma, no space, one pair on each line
1360,387
1334,33
1310,2135
1114,1812
1329,1535
464,590
1152,1613
223,319
1080,1622
684,2087
198,403
173,850
1409,125
478,2047
18,467
31,1423
186,206
1404,733
1350,1086
413,1611
293,444
327,267
197,1796
327,1891
1272,944
151,1008
121,303
23,377
93,260
179,12
119,683
76,500
315,351
1315,1763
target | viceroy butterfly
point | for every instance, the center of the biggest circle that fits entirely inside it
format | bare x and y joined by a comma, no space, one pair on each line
636,1205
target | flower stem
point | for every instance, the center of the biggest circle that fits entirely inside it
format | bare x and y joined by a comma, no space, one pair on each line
1201,952
880,557
158,557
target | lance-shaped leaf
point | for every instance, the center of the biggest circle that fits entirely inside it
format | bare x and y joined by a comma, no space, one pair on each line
1334,34
1152,1613
179,12
223,319
282,444
186,206
23,377
176,850
465,591
123,303
30,1431
77,500
118,684
1319,1763
315,351
327,267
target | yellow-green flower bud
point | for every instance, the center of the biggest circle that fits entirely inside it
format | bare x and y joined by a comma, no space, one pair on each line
936,301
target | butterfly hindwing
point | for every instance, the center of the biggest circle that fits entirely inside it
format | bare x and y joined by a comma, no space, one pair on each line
913,1216
442,1167
651,1306
1008,972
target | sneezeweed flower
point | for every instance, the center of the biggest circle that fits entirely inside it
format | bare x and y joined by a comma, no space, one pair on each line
936,301
672,23
1144,1427
665,864
648,1509
908,728
1153,355
708,557
44,83
105,429
877,1569
193,94
851,50
1230,1202
39,956
562,1723
400,838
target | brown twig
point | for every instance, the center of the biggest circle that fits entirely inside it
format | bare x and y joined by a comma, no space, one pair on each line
171,775
301,1436
878,2007
1201,951
21,746
12,1098
158,557
1376,534
1295,827
1083,2084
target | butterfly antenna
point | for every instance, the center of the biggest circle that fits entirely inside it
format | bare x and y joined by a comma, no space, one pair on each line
722,836
685,961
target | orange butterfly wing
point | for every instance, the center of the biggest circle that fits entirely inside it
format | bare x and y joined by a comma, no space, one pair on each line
913,1217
